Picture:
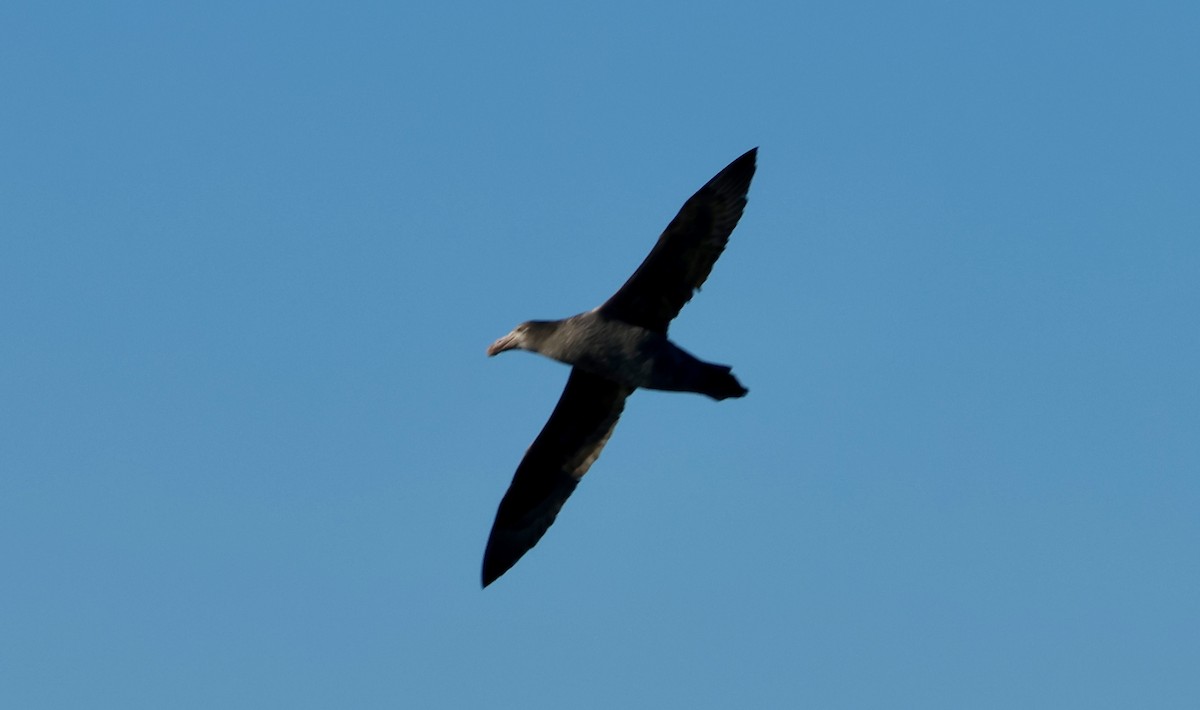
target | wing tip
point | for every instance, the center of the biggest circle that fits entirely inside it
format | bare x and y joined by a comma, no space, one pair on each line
494,566
735,178
749,158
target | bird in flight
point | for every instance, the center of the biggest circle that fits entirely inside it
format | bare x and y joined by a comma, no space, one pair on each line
613,350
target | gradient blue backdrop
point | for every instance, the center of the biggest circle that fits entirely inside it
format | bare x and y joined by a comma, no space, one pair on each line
251,447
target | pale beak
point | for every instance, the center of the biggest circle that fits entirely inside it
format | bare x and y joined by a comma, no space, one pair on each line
508,342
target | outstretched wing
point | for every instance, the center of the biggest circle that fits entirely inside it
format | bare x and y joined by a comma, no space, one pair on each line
570,442
685,253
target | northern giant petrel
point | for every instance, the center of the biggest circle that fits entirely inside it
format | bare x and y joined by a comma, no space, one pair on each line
613,350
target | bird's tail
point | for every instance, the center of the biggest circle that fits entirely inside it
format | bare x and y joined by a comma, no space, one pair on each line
718,382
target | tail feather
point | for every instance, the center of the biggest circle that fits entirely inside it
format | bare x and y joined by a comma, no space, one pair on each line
719,383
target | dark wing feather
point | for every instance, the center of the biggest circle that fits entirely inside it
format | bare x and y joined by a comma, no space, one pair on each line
570,442
685,253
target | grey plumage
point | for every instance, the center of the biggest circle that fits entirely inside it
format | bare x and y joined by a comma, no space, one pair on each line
613,350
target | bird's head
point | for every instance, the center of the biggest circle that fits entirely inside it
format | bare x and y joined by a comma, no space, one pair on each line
527,336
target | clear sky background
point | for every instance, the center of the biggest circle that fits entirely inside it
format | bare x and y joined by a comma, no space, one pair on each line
251,447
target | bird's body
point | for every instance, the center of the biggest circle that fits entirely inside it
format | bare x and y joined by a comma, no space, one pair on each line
613,350
624,353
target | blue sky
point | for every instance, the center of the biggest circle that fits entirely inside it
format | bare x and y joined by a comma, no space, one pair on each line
251,447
